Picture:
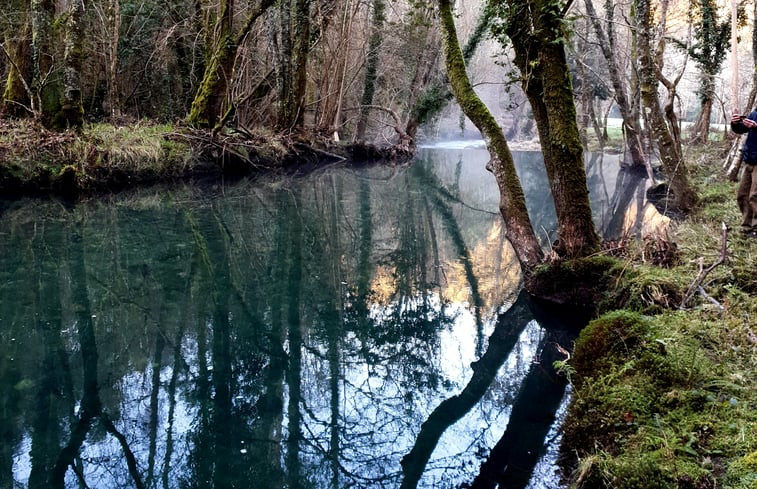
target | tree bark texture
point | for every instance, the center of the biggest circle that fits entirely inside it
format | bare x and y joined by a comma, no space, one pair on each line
540,57
17,48
294,48
208,104
44,88
622,99
72,111
512,200
671,158
371,66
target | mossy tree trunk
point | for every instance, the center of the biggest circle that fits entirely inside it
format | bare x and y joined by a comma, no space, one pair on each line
114,19
72,112
512,200
45,88
606,41
540,56
15,101
437,94
209,100
207,105
371,66
294,45
666,135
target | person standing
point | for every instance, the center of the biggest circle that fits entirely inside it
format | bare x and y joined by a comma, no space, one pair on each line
746,195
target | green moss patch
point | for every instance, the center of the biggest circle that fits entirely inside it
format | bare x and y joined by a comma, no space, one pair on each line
667,398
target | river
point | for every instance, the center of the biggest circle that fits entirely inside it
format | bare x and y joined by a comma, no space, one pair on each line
354,327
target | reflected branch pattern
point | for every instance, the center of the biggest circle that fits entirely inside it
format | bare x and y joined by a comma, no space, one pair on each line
344,329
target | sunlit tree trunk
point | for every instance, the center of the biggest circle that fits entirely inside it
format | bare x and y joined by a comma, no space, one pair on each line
512,200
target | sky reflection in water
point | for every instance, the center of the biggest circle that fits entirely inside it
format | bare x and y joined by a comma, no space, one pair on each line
291,334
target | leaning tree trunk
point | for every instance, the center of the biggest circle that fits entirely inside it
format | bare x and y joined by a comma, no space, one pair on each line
512,200
732,164
208,104
436,95
671,158
547,84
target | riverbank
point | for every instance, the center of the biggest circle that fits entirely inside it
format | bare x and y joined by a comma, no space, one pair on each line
665,395
104,157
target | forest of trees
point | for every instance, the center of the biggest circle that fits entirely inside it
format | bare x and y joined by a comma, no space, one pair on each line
357,71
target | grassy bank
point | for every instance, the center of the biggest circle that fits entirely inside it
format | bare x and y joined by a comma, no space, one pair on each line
104,157
36,160
667,397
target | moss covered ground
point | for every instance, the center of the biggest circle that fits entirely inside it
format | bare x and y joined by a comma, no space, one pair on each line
665,397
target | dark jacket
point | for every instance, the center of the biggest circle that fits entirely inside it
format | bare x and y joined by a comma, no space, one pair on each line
749,151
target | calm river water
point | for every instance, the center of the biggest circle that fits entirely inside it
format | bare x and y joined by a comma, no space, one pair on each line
350,328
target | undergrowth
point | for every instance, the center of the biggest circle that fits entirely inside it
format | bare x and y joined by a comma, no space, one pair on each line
666,397
98,155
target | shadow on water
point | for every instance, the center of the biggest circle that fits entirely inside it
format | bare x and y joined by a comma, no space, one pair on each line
345,329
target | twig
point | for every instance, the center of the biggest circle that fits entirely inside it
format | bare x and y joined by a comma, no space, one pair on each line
707,296
28,90
322,152
704,272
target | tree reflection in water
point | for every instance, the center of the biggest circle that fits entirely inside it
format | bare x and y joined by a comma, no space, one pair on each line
292,334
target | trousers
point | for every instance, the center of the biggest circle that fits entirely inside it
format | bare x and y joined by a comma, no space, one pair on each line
746,196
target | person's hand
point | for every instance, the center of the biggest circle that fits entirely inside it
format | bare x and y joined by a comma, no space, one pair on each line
748,123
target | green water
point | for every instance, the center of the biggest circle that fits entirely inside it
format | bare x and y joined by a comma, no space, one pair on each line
290,333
